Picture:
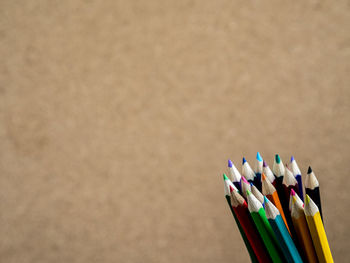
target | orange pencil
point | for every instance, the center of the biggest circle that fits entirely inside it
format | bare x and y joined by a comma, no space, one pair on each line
270,192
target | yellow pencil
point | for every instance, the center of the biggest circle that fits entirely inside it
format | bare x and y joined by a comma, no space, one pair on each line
317,231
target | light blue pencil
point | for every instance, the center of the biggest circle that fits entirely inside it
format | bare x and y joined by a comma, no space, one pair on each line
290,252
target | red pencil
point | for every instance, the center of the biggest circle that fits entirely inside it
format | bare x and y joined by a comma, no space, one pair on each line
240,208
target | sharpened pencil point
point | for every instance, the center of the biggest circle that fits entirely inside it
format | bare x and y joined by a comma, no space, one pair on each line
244,180
264,164
263,176
292,158
251,184
225,177
266,200
244,160
307,199
292,192
309,171
248,192
230,164
258,157
277,158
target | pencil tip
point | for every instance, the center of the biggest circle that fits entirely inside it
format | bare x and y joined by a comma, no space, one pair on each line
244,160
307,199
292,158
244,180
263,176
309,171
264,164
258,157
230,164
277,158
248,192
292,192
266,200
225,177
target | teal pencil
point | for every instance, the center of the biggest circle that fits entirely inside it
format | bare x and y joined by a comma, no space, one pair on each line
289,249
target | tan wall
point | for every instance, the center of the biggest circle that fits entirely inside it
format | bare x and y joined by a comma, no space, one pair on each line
117,119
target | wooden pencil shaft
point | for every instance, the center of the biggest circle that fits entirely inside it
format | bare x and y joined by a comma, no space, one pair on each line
302,231
251,232
274,198
251,253
289,249
300,186
270,244
319,238
257,181
285,207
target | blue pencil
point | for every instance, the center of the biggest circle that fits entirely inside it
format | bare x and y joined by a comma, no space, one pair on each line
286,243
258,171
297,174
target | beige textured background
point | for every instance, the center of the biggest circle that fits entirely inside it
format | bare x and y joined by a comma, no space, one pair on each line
117,119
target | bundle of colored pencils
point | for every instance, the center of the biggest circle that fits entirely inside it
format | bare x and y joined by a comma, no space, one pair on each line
276,222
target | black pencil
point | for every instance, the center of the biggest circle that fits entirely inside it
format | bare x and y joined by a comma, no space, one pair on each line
312,188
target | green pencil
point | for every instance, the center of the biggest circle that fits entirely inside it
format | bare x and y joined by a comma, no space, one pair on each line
229,186
264,228
290,252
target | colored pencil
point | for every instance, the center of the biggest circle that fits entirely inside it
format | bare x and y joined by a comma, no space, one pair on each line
268,173
294,194
289,183
318,234
270,192
229,187
257,193
234,175
290,252
247,171
240,208
297,174
245,186
302,231
279,171
257,212
258,171
312,188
